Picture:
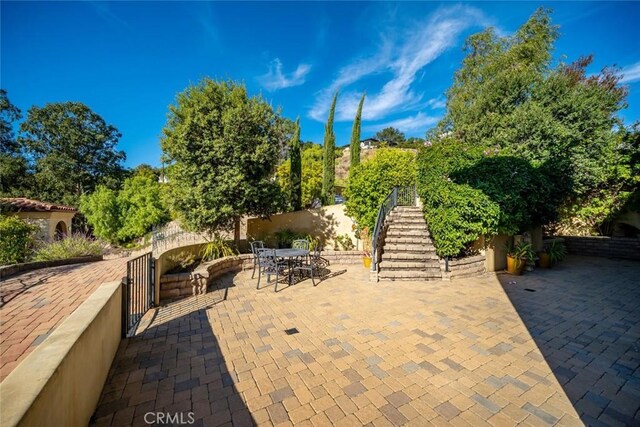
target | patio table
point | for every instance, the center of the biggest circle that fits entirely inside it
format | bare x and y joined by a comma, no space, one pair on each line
290,255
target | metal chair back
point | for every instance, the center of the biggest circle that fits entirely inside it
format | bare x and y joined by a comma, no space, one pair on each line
255,245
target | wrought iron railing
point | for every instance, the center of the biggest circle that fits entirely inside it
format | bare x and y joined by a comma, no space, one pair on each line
399,196
171,236
137,291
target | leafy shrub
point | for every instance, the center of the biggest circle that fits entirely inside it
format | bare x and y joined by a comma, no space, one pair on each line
103,212
344,242
285,237
371,181
16,240
456,214
181,261
311,174
557,251
217,248
72,246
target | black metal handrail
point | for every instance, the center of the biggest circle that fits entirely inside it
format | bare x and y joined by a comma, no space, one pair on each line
137,291
399,196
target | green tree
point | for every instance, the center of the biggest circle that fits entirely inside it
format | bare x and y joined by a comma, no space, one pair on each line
296,169
329,165
141,206
508,97
391,136
223,146
355,136
122,216
312,155
102,210
74,151
373,180
15,177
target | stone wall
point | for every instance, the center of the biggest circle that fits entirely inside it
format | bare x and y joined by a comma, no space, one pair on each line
609,247
463,267
181,285
12,269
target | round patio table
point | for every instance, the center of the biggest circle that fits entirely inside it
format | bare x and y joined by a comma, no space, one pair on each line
290,255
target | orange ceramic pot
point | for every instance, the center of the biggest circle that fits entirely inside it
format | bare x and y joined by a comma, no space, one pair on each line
515,266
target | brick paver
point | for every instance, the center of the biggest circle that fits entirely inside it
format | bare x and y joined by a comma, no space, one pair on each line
33,304
436,353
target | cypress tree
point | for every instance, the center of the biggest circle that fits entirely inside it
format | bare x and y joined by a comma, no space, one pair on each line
296,169
329,163
355,136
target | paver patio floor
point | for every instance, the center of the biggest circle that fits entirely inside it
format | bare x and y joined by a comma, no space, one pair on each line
435,353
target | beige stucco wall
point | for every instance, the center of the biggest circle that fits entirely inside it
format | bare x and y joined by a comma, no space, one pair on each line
325,224
60,382
47,221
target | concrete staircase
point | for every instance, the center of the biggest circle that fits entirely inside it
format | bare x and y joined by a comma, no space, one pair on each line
407,250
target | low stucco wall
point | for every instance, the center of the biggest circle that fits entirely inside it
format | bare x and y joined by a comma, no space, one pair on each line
10,270
324,224
60,382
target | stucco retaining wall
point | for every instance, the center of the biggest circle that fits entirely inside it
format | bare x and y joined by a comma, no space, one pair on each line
60,382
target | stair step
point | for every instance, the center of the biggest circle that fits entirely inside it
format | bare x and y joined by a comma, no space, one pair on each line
410,265
409,239
409,247
408,227
407,231
409,275
409,256
407,234
409,214
407,222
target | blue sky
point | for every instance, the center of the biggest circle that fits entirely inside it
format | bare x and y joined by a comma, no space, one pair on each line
127,60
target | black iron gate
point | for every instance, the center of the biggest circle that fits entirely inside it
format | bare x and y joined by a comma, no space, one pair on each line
137,291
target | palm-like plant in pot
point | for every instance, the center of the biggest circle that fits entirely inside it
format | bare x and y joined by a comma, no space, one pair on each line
552,254
364,235
517,256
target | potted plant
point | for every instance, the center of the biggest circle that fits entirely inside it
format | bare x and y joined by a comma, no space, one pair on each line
552,254
517,257
366,246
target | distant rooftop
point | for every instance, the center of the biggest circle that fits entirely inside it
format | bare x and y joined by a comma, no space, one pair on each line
29,205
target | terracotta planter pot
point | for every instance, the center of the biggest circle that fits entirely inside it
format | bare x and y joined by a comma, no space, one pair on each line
366,261
545,261
515,266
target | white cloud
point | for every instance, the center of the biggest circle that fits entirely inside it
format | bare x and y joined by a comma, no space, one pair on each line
437,103
403,59
419,122
631,73
275,79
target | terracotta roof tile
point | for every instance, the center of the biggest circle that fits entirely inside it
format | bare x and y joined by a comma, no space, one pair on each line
29,205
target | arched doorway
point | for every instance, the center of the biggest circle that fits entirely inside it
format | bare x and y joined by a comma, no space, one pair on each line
61,230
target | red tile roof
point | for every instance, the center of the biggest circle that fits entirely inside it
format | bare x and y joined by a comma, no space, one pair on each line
30,205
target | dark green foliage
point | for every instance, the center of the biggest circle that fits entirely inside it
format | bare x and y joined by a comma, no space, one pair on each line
312,156
223,146
390,137
329,159
456,213
16,240
545,137
296,169
370,182
354,146
73,149
15,177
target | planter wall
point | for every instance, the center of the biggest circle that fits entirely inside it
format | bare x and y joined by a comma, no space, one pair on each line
464,267
609,247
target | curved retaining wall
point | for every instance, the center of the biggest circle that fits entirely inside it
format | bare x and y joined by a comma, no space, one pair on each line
464,267
181,285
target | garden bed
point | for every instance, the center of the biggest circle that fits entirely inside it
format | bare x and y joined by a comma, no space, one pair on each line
12,269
